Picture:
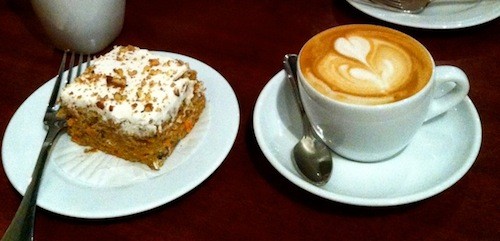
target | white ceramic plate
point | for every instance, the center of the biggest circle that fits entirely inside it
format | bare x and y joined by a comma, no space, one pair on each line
97,185
439,155
440,14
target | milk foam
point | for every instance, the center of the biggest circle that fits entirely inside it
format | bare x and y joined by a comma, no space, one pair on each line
365,66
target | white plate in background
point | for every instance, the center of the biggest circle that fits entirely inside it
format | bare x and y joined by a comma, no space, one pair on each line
439,14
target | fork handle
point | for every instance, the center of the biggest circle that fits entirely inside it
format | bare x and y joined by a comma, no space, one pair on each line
21,227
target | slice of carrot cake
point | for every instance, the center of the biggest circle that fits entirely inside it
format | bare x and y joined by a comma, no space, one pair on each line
133,104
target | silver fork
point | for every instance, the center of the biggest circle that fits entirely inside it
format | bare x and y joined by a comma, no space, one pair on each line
21,226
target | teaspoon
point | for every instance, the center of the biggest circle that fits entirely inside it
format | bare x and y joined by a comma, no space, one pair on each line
312,157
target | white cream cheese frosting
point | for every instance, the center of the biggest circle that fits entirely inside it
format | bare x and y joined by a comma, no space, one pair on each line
133,88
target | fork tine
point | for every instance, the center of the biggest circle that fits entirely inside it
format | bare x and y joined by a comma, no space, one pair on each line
80,61
52,106
70,68
57,84
88,60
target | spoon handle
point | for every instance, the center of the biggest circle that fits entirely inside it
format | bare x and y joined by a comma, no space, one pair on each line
290,64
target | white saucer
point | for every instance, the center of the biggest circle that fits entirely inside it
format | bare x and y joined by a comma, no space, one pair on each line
97,185
439,14
438,156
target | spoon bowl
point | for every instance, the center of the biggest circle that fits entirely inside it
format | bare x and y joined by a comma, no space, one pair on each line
313,159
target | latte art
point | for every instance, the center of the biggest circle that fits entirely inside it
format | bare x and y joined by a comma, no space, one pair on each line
365,64
356,72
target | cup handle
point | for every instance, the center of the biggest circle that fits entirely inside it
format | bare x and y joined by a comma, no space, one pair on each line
452,86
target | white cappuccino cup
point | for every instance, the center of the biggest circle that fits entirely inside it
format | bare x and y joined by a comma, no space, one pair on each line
368,89
85,26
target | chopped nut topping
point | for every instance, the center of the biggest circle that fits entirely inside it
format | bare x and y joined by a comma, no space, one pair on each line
119,97
142,87
148,107
154,62
190,74
147,97
100,104
139,93
154,72
132,73
116,82
119,72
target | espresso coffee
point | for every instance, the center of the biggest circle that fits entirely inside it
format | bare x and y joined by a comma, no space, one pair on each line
365,64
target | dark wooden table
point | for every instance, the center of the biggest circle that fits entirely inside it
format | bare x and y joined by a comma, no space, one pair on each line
246,198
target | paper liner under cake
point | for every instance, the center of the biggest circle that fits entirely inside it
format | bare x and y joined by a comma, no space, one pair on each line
98,169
